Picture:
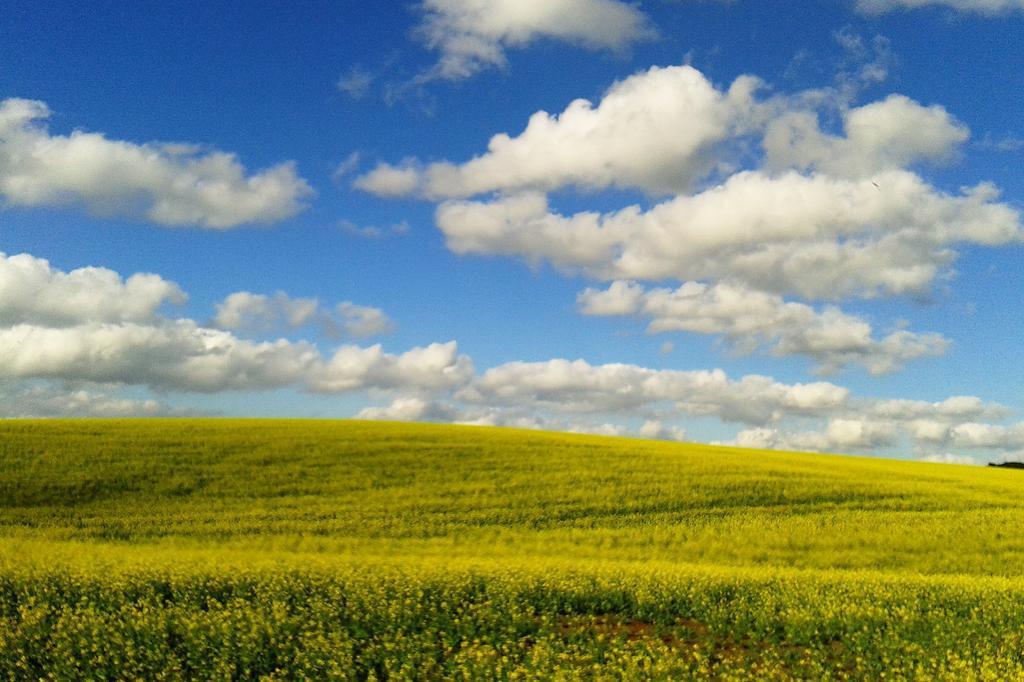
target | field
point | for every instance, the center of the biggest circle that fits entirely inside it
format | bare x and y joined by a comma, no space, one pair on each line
195,549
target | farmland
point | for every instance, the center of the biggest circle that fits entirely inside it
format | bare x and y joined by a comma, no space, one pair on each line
188,549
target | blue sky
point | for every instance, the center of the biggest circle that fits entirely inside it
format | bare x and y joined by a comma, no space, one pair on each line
769,224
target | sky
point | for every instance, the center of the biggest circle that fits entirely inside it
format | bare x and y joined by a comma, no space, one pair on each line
777,225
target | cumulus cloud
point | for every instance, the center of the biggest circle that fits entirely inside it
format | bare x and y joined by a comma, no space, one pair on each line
577,396
954,440
21,400
750,319
578,387
760,195
758,438
80,360
90,325
945,431
518,420
260,312
168,184
984,7
619,399
419,409
840,435
949,458
596,429
176,354
815,236
390,181
955,408
32,290
988,436
434,367
411,409
655,429
245,310
472,35
859,434
884,135
181,355
632,138
360,321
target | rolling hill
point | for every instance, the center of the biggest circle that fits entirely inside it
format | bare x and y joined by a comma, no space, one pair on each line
269,549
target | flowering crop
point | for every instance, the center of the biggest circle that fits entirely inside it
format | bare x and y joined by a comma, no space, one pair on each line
177,549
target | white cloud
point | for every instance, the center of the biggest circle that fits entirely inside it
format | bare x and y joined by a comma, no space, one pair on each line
20,400
246,310
988,436
260,312
171,355
859,434
361,322
90,325
953,409
654,428
390,181
472,35
839,435
749,319
884,135
818,215
929,431
621,298
811,235
758,438
632,138
434,367
506,418
410,409
169,184
53,361
181,355
576,396
985,7
416,408
521,419
32,290
949,458
579,397
578,387
604,429
869,425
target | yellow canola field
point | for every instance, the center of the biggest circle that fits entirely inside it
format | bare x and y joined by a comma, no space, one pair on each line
185,549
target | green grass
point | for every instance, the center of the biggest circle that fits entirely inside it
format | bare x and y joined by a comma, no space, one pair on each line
352,550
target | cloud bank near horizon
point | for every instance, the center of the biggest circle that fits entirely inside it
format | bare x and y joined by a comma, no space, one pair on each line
74,342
